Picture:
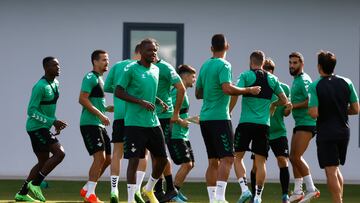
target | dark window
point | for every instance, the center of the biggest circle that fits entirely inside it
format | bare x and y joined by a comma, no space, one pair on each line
169,35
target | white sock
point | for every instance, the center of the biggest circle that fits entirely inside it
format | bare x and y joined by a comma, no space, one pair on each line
151,184
131,189
91,188
220,190
258,191
310,187
211,192
242,182
298,185
85,187
139,179
114,184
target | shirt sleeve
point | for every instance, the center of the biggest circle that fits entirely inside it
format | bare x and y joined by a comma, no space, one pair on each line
241,80
276,85
125,78
353,95
199,81
174,77
109,82
313,98
225,74
88,83
34,106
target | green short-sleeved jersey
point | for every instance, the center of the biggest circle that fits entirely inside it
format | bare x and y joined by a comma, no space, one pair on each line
179,132
167,78
110,84
253,109
299,93
93,84
42,105
277,125
141,82
213,73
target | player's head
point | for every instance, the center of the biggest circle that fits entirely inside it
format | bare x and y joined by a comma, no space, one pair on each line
100,60
326,62
269,65
137,55
296,63
219,43
51,66
257,59
187,74
148,50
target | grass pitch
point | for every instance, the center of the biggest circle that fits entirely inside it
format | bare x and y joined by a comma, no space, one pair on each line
68,191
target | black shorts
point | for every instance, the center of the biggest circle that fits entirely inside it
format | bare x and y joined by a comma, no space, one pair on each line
41,140
332,153
181,151
95,139
306,128
218,136
280,146
118,131
166,128
257,134
137,139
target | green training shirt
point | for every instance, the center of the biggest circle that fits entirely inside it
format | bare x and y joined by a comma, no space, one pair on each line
111,80
142,83
213,73
299,93
179,132
277,125
253,109
167,78
42,105
93,84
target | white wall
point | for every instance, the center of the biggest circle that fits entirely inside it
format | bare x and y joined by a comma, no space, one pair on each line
71,30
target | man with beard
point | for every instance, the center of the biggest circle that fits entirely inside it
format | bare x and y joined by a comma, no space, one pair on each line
138,87
41,117
93,122
304,130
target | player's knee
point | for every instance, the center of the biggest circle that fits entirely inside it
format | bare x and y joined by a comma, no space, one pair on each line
107,161
188,166
282,162
294,159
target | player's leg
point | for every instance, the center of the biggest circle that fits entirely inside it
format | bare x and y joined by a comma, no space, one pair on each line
223,141
333,183
117,155
243,137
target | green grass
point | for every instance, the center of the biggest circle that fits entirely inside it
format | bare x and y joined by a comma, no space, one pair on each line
68,191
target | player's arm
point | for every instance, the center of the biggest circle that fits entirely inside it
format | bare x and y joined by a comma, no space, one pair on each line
233,102
353,108
85,102
179,100
199,93
302,105
313,110
121,93
232,90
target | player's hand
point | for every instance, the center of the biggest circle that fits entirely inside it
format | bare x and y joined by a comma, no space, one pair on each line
104,120
288,106
194,119
255,90
147,105
110,108
183,123
164,106
272,109
59,125
175,118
